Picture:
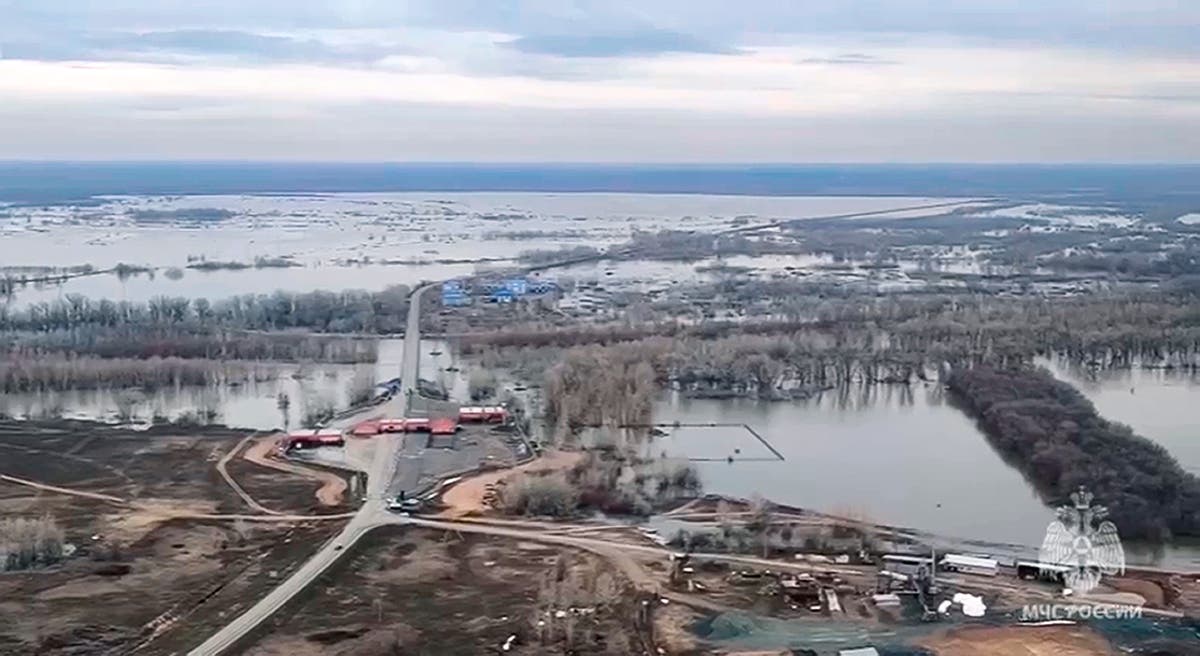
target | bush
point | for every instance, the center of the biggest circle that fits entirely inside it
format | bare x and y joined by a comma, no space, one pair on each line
1054,434
481,384
26,543
539,495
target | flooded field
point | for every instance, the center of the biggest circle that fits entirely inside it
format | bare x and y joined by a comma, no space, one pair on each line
255,404
887,454
1158,404
192,283
347,241
907,457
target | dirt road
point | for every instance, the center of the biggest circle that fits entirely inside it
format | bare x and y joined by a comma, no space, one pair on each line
333,487
618,553
63,490
371,514
222,468
160,511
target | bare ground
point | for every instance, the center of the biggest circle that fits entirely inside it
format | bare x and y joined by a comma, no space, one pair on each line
144,579
418,591
466,497
1020,641
331,491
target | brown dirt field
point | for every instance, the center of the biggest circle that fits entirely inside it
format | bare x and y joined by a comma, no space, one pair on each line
1185,593
466,496
416,591
671,629
1148,590
332,490
1020,641
170,578
181,578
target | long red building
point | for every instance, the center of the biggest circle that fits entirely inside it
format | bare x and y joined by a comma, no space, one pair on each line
310,439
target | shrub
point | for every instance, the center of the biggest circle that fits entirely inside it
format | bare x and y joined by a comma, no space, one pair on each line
539,495
26,543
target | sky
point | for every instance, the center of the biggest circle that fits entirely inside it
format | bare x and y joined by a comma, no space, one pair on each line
602,80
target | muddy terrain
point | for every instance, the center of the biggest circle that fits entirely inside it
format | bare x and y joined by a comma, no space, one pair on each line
418,591
163,549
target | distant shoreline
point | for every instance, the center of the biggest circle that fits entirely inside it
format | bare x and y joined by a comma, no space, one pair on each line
30,182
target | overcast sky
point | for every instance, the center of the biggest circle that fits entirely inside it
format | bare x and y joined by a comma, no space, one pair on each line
601,80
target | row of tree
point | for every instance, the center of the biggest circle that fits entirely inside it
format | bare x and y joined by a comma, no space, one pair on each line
889,338
166,342
320,311
26,373
1054,434
26,543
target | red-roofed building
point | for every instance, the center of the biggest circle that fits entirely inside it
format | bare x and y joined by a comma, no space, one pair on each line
309,439
365,429
492,414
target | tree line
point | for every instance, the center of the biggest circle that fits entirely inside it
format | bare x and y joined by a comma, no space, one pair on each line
30,373
890,334
1055,436
175,342
321,311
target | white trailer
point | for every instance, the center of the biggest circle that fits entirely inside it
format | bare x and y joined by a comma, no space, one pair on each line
970,565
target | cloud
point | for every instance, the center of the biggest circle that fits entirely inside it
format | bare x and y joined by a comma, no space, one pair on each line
850,58
430,132
648,42
193,45
601,79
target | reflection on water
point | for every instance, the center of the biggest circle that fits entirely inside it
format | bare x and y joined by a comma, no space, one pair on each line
226,283
248,405
1158,404
254,404
904,456
894,455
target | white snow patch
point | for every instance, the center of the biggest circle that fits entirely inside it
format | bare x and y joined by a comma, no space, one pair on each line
1073,215
972,606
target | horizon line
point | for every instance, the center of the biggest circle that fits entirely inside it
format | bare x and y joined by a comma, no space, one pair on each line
584,163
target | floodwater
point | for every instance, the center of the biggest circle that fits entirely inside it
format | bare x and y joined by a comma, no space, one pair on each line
907,457
254,404
888,454
1158,404
349,241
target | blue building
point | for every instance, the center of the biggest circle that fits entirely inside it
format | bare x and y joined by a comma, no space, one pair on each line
502,295
453,294
518,286
542,286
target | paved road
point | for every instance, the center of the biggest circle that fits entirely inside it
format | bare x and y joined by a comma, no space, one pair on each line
373,512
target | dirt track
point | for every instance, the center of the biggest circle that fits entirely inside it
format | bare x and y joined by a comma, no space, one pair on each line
222,468
154,511
333,487
63,490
